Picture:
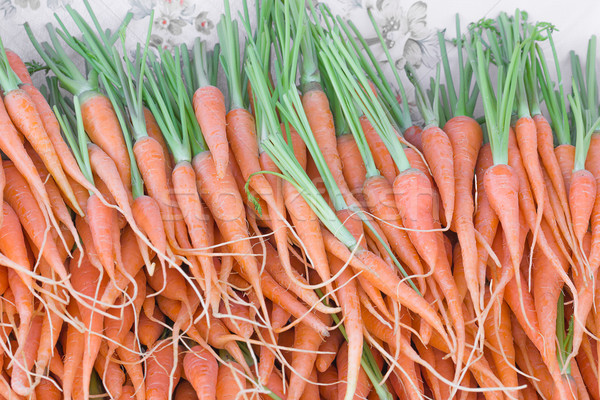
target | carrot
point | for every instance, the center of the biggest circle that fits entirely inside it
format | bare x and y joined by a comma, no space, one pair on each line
162,372
150,329
230,382
545,142
18,66
185,391
438,152
23,303
109,371
73,348
184,180
466,138
498,324
306,343
12,243
266,363
102,219
410,187
311,391
146,214
308,228
21,109
21,380
102,126
413,136
14,149
155,133
21,199
380,201
328,350
225,204
47,389
363,385
238,322
348,297
381,155
150,158
127,392
592,164
209,107
328,383
353,168
86,279
565,155
201,369
582,194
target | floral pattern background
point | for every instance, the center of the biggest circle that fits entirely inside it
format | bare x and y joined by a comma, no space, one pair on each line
409,27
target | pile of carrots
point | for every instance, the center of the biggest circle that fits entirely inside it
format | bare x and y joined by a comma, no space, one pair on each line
292,233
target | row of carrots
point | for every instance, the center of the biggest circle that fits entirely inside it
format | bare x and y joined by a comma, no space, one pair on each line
295,235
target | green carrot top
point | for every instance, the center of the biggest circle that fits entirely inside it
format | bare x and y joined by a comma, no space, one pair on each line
498,107
553,92
462,101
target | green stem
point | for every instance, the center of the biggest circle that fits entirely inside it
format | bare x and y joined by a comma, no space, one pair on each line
8,79
227,30
334,49
400,112
60,63
201,63
137,184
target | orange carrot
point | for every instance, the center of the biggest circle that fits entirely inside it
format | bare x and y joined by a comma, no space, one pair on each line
330,345
353,167
349,301
21,380
230,381
438,152
380,200
328,383
413,136
149,330
109,371
86,280
162,371
21,109
73,348
565,155
225,204
363,384
201,369
381,155
209,107
466,137
21,199
306,343
185,391
101,124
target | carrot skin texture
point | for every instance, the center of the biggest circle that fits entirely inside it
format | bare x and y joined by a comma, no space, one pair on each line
582,195
201,369
101,124
230,381
413,136
438,152
209,107
466,138
24,115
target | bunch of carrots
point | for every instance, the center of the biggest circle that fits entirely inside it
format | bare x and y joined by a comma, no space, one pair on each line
293,234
